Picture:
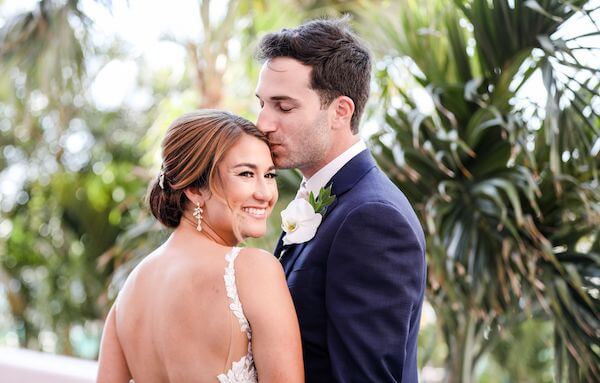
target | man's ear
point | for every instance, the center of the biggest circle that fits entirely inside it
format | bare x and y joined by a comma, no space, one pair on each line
196,195
343,109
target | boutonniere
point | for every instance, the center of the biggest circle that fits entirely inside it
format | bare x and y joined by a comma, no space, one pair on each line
301,218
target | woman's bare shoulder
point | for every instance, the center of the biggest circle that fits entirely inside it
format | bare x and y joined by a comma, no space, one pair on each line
258,262
260,280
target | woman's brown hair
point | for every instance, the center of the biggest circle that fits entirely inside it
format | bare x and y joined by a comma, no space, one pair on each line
193,146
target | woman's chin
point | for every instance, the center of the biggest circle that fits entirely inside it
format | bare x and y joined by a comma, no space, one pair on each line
254,232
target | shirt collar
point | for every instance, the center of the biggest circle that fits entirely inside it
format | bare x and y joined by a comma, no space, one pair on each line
320,178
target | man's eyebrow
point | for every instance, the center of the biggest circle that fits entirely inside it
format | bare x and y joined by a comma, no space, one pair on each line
279,98
251,166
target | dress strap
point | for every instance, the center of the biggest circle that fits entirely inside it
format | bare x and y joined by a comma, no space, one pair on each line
235,305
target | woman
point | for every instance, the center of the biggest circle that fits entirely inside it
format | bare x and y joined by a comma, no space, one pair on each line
199,309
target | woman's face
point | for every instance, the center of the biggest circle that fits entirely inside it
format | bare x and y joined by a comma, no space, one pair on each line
248,184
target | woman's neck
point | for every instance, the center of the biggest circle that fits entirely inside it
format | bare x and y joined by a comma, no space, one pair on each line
188,225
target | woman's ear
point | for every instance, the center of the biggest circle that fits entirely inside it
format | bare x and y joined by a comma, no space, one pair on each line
196,195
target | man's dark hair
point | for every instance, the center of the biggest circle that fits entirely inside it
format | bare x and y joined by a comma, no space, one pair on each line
341,64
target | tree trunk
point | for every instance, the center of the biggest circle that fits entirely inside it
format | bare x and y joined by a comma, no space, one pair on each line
461,351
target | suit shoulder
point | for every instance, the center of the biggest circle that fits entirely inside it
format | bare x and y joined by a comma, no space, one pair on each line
379,208
376,186
384,216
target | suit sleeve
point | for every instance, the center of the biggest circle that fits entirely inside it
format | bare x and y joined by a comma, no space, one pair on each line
375,281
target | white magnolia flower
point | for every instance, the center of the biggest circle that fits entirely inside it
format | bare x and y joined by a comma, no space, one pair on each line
299,221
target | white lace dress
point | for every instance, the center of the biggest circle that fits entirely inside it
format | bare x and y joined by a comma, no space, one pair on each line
242,371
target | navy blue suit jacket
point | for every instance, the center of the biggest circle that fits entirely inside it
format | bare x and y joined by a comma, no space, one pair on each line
358,285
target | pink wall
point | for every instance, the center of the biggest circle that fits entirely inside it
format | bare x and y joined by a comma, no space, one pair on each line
25,366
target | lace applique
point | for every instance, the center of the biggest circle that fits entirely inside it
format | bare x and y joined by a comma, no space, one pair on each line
242,371
235,305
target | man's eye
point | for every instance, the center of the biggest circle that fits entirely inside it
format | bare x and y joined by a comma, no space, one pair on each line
271,175
246,174
283,109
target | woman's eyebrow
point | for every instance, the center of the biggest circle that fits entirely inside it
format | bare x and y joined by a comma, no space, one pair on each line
251,166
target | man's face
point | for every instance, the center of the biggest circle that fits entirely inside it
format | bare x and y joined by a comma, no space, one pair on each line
298,129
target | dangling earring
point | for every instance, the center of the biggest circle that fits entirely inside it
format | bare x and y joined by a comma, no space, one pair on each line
198,215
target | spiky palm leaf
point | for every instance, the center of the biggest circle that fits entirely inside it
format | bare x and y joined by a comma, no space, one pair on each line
504,220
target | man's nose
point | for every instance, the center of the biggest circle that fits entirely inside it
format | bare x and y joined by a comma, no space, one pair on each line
265,122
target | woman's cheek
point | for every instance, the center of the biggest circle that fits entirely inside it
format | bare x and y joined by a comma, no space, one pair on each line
238,188
275,193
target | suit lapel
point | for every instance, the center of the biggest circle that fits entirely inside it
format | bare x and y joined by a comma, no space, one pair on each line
290,255
341,182
351,173
279,246
292,252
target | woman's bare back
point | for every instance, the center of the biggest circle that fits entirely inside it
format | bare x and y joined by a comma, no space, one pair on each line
173,318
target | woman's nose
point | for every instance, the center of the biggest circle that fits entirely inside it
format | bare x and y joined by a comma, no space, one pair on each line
264,190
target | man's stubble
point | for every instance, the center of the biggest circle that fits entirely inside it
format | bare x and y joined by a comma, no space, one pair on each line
308,148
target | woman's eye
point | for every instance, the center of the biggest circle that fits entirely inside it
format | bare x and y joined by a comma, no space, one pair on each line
246,174
271,175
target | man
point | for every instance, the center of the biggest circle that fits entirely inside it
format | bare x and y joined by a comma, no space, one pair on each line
358,284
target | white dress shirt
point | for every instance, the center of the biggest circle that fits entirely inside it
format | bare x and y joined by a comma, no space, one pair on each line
320,178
